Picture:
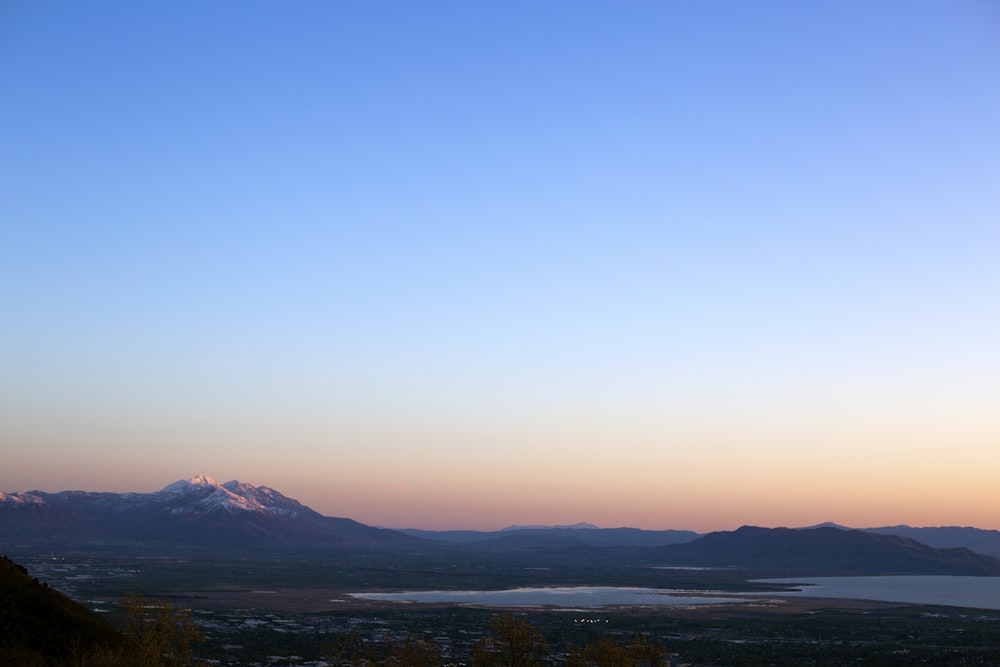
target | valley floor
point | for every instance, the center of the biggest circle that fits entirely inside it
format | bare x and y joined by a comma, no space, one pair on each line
266,612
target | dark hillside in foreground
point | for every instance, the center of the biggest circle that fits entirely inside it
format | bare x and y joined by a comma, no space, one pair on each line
41,626
824,551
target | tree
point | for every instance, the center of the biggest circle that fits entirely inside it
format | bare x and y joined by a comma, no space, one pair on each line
159,631
515,643
346,649
611,653
602,653
412,652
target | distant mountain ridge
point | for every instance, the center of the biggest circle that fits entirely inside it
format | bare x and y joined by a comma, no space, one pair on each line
826,550
979,540
572,526
196,496
196,511
582,534
201,513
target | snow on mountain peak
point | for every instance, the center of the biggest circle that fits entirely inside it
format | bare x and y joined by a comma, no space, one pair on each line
238,487
203,480
233,496
198,495
185,485
21,499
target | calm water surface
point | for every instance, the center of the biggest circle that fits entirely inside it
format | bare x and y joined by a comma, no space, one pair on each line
574,596
975,592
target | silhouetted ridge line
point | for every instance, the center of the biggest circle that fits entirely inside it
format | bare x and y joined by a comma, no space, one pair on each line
825,551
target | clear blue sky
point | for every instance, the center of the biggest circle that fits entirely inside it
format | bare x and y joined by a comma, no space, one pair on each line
442,264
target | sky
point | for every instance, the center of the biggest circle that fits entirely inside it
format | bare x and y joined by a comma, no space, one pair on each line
666,264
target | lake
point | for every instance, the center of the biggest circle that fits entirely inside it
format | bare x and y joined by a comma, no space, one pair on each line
972,592
584,597
975,592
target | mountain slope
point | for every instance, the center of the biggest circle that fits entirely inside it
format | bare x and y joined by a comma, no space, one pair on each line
979,540
43,626
824,551
194,512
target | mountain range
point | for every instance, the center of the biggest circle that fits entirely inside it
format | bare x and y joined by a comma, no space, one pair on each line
579,533
982,541
200,513
194,512
830,550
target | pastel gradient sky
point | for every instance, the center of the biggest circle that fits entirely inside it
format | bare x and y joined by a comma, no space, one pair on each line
668,264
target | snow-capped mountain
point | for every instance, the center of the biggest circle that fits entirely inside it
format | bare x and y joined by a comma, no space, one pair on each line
195,511
20,499
198,495
204,494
